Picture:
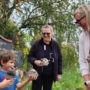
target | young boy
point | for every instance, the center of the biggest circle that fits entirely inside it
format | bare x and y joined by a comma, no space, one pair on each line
7,60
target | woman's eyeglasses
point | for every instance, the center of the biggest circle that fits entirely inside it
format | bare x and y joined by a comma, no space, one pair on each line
48,34
78,21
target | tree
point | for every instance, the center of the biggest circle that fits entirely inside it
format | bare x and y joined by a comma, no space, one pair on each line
19,17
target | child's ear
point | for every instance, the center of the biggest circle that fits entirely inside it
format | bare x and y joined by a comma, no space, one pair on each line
2,63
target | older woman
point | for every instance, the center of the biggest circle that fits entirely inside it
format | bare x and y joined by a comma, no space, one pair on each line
46,48
82,16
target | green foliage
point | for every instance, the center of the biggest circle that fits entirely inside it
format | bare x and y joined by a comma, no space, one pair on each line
71,80
58,13
70,58
71,77
7,28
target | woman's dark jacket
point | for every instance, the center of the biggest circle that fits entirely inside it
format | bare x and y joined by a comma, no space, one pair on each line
36,53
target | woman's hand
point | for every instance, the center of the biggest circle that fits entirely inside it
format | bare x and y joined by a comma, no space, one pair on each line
86,77
58,77
38,62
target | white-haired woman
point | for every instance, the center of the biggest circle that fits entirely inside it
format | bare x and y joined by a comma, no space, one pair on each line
47,49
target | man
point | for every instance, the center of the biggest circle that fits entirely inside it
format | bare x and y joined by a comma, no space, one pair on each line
46,48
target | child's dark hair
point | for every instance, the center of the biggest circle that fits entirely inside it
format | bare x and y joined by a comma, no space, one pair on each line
6,55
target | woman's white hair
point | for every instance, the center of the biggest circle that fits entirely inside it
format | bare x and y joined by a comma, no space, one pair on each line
47,26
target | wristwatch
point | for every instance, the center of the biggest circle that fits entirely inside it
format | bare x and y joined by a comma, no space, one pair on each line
87,82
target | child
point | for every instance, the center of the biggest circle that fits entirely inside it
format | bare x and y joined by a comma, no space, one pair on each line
7,60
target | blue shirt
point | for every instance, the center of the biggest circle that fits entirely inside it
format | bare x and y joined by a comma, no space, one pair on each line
11,87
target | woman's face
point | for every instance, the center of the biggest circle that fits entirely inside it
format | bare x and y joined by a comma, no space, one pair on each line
81,21
47,35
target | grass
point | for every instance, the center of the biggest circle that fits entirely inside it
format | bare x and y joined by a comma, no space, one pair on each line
71,80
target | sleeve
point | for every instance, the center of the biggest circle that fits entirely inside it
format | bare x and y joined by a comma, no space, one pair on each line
16,80
59,60
82,61
31,55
